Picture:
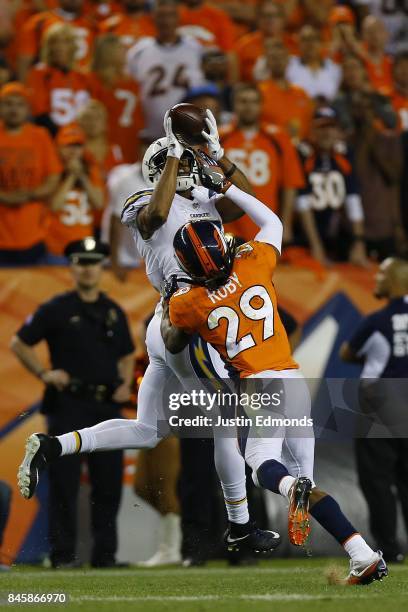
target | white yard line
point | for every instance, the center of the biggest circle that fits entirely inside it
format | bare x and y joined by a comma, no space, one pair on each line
178,571
190,598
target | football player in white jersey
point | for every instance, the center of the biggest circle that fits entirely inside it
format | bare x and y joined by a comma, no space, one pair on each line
154,216
166,67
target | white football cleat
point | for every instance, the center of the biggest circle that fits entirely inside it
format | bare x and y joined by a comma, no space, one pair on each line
365,572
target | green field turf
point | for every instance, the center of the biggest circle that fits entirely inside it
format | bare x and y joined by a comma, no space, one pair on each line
281,585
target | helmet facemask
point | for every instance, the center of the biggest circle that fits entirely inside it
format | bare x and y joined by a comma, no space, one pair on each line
154,162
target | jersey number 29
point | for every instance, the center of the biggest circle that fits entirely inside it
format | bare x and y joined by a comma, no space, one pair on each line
264,313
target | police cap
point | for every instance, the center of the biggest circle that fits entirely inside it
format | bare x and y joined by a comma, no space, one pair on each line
86,251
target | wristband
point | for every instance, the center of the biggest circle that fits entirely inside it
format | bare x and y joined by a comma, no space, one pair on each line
230,172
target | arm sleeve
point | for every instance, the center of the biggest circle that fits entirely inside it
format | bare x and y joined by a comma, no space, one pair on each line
270,226
36,327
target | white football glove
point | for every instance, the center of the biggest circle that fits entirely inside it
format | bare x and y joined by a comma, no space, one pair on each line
212,137
175,148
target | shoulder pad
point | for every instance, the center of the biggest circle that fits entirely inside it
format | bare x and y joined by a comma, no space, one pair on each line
244,250
133,204
181,291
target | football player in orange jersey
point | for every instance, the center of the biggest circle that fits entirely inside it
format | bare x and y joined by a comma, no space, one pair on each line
266,155
120,95
231,302
58,91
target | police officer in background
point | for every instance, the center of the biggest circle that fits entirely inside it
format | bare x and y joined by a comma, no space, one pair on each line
91,355
381,344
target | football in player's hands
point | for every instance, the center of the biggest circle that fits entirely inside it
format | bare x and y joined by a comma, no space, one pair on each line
188,121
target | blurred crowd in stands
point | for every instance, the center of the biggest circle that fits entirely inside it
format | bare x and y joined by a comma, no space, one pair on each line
311,97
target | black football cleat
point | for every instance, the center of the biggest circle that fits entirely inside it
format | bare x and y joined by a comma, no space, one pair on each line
256,541
40,449
366,572
298,515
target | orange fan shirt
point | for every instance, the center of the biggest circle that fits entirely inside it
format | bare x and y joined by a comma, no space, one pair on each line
270,162
240,319
211,26
31,35
250,48
128,28
380,75
26,160
291,108
125,114
61,95
400,104
99,11
75,220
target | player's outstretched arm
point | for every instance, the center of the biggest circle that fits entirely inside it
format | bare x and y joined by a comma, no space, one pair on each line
155,214
174,338
227,209
270,226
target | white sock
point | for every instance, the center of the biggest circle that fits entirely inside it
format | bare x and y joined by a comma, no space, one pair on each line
237,510
357,548
230,467
110,435
285,484
70,443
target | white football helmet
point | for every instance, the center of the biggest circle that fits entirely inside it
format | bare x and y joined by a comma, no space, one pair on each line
154,161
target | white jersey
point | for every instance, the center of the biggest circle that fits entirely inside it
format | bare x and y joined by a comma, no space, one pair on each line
157,251
165,73
122,180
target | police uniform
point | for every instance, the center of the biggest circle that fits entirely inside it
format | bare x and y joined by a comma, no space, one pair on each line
86,339
382,463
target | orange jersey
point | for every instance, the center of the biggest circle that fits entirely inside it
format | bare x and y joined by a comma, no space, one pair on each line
58,94
31,35
269,160
240,319
125,114
291,108
250,51
400,104
211,26
75,220
128,28
99,11
380,75
26,160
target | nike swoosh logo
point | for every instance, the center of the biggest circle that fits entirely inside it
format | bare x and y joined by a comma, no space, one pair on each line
232,540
